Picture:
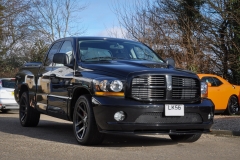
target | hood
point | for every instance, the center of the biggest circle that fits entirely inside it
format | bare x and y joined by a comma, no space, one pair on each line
123,67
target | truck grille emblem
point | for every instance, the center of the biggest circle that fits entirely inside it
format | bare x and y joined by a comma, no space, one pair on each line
169,82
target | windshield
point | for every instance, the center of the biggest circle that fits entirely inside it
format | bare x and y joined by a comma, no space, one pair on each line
102,50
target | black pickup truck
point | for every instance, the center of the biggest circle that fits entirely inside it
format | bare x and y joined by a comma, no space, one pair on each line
109,85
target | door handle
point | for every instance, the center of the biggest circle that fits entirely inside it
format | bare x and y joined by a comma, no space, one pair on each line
52,76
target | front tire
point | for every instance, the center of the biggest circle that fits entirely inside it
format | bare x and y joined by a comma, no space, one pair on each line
232,106
84,124
28,116
187,138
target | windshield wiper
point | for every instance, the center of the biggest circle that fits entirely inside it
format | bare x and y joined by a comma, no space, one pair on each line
119,58
99,58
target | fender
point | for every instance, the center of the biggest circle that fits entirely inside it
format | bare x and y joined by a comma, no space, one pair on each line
75,93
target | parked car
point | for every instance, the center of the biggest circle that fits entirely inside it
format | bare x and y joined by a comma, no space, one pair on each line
109,85
7,100
224,95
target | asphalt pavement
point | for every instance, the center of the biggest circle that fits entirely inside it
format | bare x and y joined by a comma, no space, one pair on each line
54,139
226,125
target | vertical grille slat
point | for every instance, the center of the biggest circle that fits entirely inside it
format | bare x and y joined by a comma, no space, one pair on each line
153,88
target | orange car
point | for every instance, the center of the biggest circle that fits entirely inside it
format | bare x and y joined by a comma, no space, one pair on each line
224,95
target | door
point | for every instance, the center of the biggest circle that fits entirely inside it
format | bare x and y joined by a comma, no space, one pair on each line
60,80
43,80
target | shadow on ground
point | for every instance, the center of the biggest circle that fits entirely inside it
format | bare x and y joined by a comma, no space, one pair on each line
62,132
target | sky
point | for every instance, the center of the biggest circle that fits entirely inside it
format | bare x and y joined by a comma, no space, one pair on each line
99,19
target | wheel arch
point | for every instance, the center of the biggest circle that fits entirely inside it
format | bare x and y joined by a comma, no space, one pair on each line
76,94
24,88
238,99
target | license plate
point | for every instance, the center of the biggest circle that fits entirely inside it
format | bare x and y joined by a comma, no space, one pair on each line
174,110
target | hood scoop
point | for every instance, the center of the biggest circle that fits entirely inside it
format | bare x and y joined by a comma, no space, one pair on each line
156,65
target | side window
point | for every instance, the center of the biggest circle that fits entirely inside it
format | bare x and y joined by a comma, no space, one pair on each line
67,49
217,81
209,80
139,52
52,51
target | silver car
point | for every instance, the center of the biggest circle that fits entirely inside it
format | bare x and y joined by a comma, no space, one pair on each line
7,100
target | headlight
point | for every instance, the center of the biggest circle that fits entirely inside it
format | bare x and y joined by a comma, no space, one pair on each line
116,86
108,87
103,85
204,89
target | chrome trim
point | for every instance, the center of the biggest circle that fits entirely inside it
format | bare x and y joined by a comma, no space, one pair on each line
63,97
169,82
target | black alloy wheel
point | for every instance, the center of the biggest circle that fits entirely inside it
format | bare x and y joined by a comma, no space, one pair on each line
28,116
233,106
84,124
81,120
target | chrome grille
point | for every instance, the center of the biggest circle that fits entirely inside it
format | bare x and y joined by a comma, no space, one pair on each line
153,88
184,93
147,87
148,93
185,88
184,82
149,80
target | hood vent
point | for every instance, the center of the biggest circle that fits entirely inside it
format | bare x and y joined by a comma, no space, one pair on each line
156,65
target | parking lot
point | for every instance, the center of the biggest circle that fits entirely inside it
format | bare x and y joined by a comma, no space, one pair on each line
54,139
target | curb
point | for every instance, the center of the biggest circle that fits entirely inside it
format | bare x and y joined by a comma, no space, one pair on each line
225,132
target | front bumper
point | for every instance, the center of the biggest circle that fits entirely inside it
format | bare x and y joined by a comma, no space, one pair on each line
142,117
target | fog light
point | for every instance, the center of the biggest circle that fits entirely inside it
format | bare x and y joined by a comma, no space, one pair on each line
210,115
119,116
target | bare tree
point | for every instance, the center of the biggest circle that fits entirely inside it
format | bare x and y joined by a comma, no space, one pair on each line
29,26
222,19
57,18
202,36
172,28
15,25
1,19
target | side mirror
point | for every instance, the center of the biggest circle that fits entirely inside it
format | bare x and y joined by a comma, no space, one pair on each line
170,61
61,58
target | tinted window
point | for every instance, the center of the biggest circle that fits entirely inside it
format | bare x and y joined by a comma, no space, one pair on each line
52,51
8,83
67,49
209,80
97,50
217,81
213,80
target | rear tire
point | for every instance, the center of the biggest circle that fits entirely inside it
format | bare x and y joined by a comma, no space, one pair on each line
28,116
84,124
232,106
187,138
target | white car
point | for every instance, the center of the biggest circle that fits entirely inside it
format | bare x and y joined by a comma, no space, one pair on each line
7,100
